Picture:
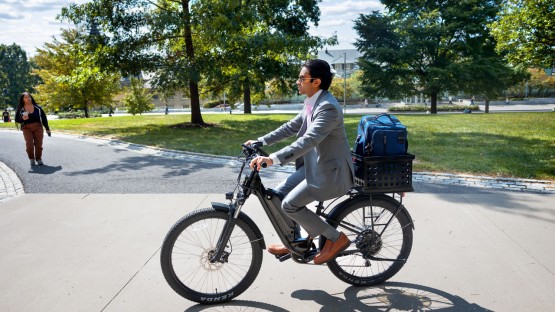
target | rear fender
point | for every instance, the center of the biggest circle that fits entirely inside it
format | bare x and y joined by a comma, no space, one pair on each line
337,209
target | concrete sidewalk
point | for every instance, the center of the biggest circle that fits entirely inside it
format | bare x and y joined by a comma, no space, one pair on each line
100,252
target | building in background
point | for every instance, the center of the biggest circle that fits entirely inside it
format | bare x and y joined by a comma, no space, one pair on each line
177,100
342,61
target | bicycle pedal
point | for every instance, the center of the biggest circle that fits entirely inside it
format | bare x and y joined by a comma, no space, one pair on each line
308,257
312,254
284,257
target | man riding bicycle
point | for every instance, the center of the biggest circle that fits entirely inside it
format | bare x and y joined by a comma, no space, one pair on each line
324,167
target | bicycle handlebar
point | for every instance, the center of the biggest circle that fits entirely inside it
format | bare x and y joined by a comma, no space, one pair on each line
255,148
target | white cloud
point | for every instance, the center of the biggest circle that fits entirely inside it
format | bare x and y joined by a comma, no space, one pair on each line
38,5
31,23
337,17
9,16
349,8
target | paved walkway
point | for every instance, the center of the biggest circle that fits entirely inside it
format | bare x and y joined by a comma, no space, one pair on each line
471,252
11,186
101,252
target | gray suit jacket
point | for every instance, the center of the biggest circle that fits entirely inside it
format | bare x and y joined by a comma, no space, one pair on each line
323,147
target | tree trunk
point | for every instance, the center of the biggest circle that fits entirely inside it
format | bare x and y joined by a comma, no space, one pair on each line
247,97
487,106
196,116
433,100
86,110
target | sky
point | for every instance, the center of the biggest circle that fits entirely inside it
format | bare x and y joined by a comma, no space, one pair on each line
32,23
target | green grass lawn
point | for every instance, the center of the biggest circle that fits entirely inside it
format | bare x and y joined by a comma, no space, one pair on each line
502,145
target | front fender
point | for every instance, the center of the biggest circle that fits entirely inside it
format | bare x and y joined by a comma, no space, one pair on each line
225,208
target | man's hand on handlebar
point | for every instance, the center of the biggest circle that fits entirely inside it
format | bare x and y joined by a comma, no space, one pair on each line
261,162
250,142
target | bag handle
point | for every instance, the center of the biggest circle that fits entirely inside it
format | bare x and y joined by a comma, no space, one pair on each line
386,115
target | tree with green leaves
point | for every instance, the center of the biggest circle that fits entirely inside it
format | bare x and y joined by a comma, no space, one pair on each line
525,30
233,46
340,87
541,83
71,75
15,74
137,99
253,42
278,89
489,76
429,47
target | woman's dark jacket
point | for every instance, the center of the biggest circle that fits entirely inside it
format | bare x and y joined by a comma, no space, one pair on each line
38,115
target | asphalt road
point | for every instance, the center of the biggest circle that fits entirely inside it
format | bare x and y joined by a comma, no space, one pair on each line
81,165
75,164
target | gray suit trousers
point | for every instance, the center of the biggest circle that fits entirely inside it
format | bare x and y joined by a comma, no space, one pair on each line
296,197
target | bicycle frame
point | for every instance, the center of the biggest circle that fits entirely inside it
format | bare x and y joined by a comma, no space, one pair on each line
271,203
284,226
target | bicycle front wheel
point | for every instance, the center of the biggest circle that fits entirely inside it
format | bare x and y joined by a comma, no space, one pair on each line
188,247
381,236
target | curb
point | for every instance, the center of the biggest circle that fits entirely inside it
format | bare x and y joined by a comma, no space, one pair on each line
10,185
511,184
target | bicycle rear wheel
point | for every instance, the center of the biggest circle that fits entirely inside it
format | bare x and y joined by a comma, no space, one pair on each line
381,236
186,252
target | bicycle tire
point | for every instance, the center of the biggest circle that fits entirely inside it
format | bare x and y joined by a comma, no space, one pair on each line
394,243
186,250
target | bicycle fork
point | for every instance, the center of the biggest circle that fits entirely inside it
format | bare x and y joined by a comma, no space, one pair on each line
219,254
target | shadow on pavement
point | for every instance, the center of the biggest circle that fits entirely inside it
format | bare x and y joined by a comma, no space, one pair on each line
237,305
528,205
169,167
406,297
389,296
45,169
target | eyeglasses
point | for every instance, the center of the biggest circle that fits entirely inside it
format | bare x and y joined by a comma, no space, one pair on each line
301,78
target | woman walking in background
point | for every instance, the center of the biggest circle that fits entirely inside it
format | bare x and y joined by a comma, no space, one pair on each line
32,119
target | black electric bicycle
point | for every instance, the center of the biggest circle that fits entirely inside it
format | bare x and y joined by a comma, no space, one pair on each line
214,254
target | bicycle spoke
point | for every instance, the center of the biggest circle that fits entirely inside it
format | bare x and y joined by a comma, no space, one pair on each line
380,245
193,248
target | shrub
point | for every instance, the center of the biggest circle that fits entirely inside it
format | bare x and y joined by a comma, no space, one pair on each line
442,108
77,114
212,104
137,98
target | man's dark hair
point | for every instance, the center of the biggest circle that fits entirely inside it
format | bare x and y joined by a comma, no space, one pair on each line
320,69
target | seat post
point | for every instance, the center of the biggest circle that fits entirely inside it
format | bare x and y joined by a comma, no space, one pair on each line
319,207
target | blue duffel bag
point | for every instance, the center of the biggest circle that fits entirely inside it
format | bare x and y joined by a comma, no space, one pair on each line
381,135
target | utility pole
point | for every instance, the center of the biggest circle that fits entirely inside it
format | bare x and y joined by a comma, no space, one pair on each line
4,95
344,77
344,82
